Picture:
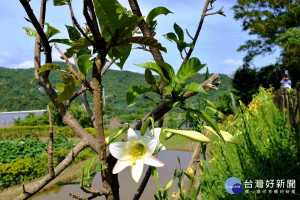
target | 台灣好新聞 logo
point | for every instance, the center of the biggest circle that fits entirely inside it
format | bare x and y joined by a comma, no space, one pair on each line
233,186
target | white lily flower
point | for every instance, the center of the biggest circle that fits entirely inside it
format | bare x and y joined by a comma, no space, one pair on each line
155,133
136,152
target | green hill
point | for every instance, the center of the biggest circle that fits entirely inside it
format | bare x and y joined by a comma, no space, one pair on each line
18,94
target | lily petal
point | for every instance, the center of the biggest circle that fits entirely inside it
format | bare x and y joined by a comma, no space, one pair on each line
132,135
137,170
162,147
151,146
156,133
120,165
118,150
153,161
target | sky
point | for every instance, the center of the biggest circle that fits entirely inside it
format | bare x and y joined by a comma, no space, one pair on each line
217,44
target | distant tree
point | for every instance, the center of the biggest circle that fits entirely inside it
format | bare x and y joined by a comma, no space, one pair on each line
290,42
245,83
224,103
268,20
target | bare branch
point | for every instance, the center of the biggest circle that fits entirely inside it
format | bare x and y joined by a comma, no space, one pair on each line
72,71
187,32
208,9
88,108
36,186
49,149
108,65
39,27
147,33
143,185
220,12
24,190
70,67
92,24
198,30
95,28
75,23
75,95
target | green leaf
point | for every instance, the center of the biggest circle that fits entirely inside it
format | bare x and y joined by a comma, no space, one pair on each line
168,67
109,13
84,64
193,135
153,14
49,66
31,32
171,37
134,92
154,174
77,46
128,25
86,51
73,33
51,31
149,77
62,41
189,69
195,87
67,88
121,53
154,67
206,74
87,167
167,90
60,2
148,41
179,32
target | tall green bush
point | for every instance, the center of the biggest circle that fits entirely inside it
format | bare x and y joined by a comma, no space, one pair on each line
267,150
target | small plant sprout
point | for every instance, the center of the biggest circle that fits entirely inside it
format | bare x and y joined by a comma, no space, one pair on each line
136,152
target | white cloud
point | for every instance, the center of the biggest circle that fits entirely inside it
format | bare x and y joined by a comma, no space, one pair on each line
26,64
234,62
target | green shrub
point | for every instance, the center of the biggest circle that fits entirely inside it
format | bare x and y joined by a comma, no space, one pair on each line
27,169
267,150
41,131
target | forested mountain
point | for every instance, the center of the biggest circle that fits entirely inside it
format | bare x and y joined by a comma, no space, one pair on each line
18,94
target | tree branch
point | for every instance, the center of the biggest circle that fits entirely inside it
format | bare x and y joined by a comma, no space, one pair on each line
143,185
43,77
75,95
38,26
220,12
33,188
147,33
72,71
108,65
198,30
75,23
92,24
88,108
